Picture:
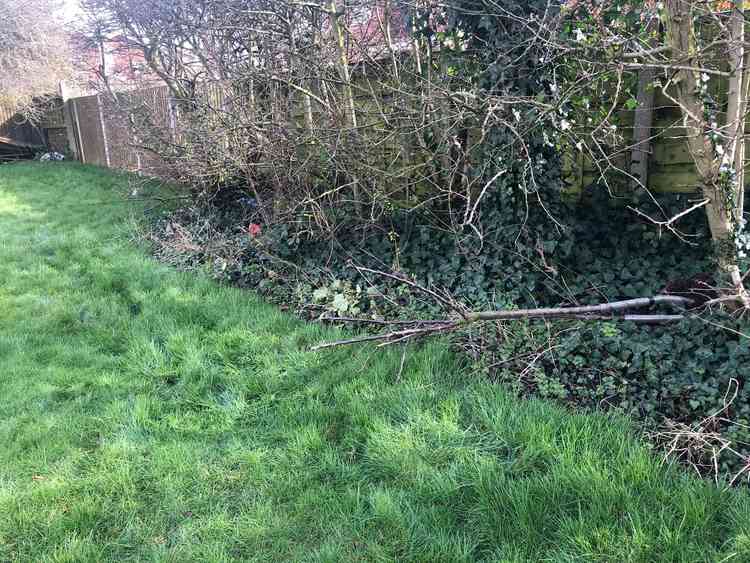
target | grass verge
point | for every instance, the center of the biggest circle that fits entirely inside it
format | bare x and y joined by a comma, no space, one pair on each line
147,414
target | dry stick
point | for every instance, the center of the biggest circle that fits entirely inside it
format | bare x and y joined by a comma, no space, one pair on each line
397,335
641,319
380,321
603,311
558,312
668,224
403,279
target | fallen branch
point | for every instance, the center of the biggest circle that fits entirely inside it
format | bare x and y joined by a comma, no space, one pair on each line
577,312
603,311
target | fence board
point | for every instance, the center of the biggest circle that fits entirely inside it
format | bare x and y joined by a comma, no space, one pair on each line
91,134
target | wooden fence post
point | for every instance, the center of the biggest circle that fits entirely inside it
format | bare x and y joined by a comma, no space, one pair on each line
644,118
103,128
77,122
70,122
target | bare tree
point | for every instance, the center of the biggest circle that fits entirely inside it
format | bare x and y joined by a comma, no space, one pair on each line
719,161
34,53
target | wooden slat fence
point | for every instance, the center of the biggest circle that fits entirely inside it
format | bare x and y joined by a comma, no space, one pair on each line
14,129
106,137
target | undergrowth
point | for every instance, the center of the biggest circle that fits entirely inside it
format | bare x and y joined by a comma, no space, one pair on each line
672,376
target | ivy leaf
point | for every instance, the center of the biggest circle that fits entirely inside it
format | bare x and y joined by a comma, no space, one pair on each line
321,294
340,303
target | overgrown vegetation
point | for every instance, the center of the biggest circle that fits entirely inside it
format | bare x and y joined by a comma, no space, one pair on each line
149,414
431,141
668,376
693,53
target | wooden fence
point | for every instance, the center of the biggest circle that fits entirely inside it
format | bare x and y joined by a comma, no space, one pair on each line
17,131
19,138
98,134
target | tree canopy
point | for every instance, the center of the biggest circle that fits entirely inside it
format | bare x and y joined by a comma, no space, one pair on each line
34,52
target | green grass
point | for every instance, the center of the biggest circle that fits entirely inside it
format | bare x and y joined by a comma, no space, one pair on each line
151,415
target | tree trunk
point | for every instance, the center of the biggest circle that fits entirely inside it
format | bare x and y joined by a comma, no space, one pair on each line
737,105
735,127
721,209
350,110
297,66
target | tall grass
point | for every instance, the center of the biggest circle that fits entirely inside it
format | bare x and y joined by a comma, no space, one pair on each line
151,415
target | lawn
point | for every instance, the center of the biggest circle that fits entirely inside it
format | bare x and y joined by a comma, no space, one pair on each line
147,414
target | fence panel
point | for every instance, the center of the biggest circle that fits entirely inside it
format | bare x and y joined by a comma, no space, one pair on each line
14,128
119,138
86,115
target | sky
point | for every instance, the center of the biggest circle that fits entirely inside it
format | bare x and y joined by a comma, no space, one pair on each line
71,8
